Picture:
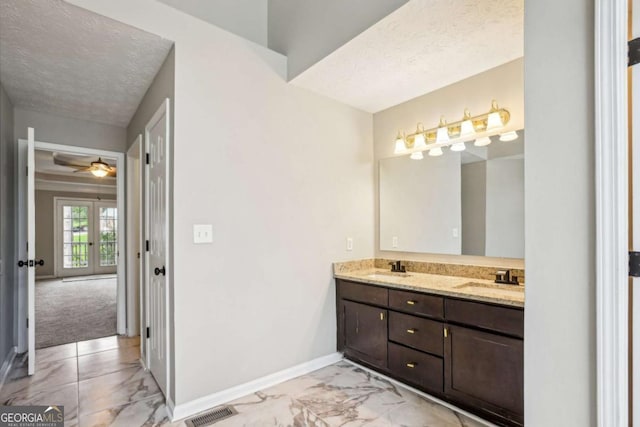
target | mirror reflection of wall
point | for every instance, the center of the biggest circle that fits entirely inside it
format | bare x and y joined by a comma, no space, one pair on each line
469,203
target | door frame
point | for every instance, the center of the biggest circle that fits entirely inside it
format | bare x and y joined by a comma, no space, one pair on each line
135,253
120,203
612,221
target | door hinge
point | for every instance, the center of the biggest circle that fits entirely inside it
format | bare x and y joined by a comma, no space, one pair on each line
633,52
634,264
27,170
147,158
146,245
148,332
27,323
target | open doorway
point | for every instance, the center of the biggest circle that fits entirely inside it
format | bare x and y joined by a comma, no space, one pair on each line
79,269
76,213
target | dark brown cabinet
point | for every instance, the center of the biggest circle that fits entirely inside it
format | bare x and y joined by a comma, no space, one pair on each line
485,370
467,352
366,333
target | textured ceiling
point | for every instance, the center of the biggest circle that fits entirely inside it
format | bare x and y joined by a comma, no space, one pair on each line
62,59
422,46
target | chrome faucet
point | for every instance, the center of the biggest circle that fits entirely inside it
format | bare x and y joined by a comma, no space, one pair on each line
505,277
397,267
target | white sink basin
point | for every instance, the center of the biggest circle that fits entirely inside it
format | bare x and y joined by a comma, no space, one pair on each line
512,289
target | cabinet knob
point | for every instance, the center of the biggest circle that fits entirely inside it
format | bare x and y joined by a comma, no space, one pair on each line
411,365
411,331
411,302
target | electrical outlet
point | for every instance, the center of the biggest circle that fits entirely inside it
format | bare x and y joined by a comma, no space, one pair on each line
394,242
454,233
349,243
202,233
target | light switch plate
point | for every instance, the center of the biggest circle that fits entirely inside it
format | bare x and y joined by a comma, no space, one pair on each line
394,241
454,233
202,233
349,243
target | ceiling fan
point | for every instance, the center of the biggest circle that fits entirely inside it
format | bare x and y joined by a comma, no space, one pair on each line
98,168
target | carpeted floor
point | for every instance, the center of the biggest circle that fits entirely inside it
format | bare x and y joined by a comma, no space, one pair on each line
74,311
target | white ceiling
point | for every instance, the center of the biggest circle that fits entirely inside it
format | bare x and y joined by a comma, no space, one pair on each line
65,60
422,46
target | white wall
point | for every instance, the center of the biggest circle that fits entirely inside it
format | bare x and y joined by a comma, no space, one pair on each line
560,369
283,175
308,30
505,208
246,18
420,204
8,290
504,83
67,131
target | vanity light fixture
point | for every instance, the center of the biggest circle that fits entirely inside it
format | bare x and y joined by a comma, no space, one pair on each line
416,155
509,136
454,135
435,152
401,145
419,141
482,142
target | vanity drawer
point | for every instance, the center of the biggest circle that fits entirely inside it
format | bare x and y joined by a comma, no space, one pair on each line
413,302
363,293
418,368
495,318
422,334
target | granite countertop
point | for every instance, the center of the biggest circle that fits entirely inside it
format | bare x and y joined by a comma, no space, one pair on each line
461,287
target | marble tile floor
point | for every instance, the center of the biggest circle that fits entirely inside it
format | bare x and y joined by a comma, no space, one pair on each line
100,384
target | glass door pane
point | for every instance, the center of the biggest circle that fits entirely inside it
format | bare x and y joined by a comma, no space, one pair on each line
108,226
75,236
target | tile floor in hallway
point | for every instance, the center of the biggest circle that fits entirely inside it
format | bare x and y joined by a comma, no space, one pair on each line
101,383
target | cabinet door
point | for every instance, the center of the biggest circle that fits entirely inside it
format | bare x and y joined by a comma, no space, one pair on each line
365,329
485,370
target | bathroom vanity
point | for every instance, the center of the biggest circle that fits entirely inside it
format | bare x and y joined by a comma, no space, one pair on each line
457,338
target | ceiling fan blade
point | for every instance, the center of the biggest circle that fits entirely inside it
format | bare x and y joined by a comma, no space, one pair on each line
83,169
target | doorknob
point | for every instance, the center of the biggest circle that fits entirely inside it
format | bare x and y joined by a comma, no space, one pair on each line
23,263
157,271
40,262
90,243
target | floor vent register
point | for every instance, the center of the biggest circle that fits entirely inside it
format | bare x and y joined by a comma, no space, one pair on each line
211,417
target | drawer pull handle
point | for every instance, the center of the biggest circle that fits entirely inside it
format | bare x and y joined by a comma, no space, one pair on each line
411,331
411,302
446,333
411,365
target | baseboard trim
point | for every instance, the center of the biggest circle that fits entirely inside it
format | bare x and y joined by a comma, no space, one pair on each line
50,276
423,394
184,410
7,364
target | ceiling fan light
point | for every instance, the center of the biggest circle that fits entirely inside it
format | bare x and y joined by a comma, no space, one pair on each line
458,146
509,136
416,156
482,142
100,173
435,152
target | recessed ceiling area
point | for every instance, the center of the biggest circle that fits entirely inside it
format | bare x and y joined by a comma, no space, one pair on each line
60,172
61,59
422,46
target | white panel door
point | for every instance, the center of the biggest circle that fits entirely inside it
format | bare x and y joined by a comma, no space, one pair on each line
156,208
634,221
27,249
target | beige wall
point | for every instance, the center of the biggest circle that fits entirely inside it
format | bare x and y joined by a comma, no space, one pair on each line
45,245
504,84
8,260
284,176
560,344
67,131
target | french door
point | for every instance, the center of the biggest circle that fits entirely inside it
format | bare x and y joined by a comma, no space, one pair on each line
87,240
